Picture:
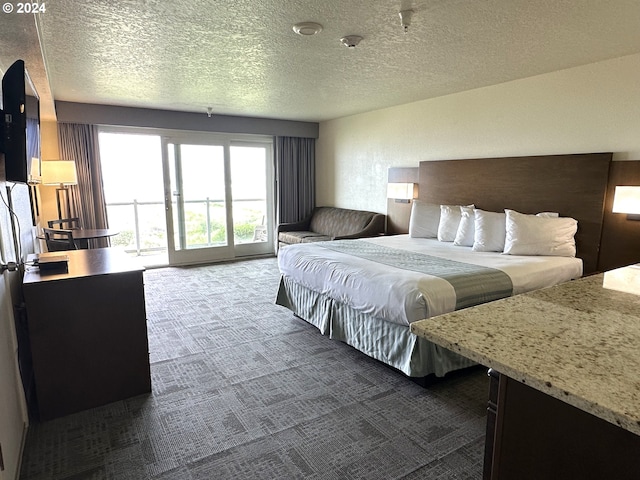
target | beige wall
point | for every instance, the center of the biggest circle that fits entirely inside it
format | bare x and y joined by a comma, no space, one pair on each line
13,413
594,108
49,151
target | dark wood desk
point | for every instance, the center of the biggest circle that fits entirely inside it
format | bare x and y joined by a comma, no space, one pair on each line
87,331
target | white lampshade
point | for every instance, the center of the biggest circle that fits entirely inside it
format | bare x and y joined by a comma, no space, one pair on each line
626,200
59,172
35,176
400,191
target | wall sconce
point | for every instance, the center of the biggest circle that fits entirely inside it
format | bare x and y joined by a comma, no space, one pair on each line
61,173
401,192
627,200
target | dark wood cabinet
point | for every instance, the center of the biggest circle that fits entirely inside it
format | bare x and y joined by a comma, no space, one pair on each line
531,435
564,404
87,332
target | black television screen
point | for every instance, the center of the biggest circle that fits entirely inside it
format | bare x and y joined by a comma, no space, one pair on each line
21,116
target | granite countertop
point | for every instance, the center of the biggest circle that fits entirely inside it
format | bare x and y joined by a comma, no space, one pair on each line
578,342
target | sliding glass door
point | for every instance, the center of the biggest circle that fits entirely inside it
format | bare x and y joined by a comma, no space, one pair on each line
133,187
250,193
217,197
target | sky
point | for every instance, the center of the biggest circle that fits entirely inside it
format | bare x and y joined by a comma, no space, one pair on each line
132,169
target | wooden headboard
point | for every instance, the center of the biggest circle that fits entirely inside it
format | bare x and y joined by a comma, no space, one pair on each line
572,185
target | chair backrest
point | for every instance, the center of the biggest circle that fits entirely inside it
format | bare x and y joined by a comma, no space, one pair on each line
65,223
58,240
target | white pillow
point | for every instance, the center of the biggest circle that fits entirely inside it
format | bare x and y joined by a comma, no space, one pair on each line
466,228
535,235
490,231
424,220
450,216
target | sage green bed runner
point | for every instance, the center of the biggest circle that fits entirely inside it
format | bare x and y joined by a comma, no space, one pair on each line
473,284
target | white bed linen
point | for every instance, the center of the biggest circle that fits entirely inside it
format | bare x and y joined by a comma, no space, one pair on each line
403,296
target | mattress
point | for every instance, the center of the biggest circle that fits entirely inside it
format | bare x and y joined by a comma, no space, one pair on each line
388,277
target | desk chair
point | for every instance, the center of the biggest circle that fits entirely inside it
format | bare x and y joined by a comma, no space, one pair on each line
65,223
58,240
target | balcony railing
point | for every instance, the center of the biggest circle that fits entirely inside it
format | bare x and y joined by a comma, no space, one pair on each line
142,224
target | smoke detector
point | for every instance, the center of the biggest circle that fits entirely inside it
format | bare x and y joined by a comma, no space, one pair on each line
307,28
351,41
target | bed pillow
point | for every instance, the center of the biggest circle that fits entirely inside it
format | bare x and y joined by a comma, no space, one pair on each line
466,228
450,216
490,231
424,220
537,235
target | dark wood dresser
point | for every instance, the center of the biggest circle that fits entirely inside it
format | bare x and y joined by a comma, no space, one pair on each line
87,331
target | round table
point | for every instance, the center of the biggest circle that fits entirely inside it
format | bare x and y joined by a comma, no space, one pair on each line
82,236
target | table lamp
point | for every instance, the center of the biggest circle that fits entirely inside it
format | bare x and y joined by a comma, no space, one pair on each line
61,173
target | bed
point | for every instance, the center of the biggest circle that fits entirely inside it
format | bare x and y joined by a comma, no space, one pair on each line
367,292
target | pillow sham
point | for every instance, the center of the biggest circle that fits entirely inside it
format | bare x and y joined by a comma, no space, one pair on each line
424,220
449,221
466,228
450,216
536,235
490,231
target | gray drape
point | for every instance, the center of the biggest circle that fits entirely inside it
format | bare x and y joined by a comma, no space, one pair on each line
79,142
295,160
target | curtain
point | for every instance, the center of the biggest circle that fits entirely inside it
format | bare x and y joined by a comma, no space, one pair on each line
79,142
295,168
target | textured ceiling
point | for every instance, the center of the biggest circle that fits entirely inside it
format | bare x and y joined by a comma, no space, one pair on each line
241,57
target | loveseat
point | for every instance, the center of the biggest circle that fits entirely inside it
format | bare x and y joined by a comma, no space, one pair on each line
331,223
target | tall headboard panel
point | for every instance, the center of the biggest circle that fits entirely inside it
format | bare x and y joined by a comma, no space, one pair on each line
572,185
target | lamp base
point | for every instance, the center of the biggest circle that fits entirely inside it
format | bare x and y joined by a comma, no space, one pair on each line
63,191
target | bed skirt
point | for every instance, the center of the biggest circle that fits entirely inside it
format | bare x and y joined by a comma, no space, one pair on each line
390,343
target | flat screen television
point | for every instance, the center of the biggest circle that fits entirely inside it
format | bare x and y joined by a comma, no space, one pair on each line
21,126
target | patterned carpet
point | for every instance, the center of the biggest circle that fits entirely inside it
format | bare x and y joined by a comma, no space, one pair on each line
244,390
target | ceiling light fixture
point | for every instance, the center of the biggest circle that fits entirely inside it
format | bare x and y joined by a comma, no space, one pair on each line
405,19
307,28
351,41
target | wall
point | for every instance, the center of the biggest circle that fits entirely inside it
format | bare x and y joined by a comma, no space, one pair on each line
594,108
13,416
69,112
49,151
